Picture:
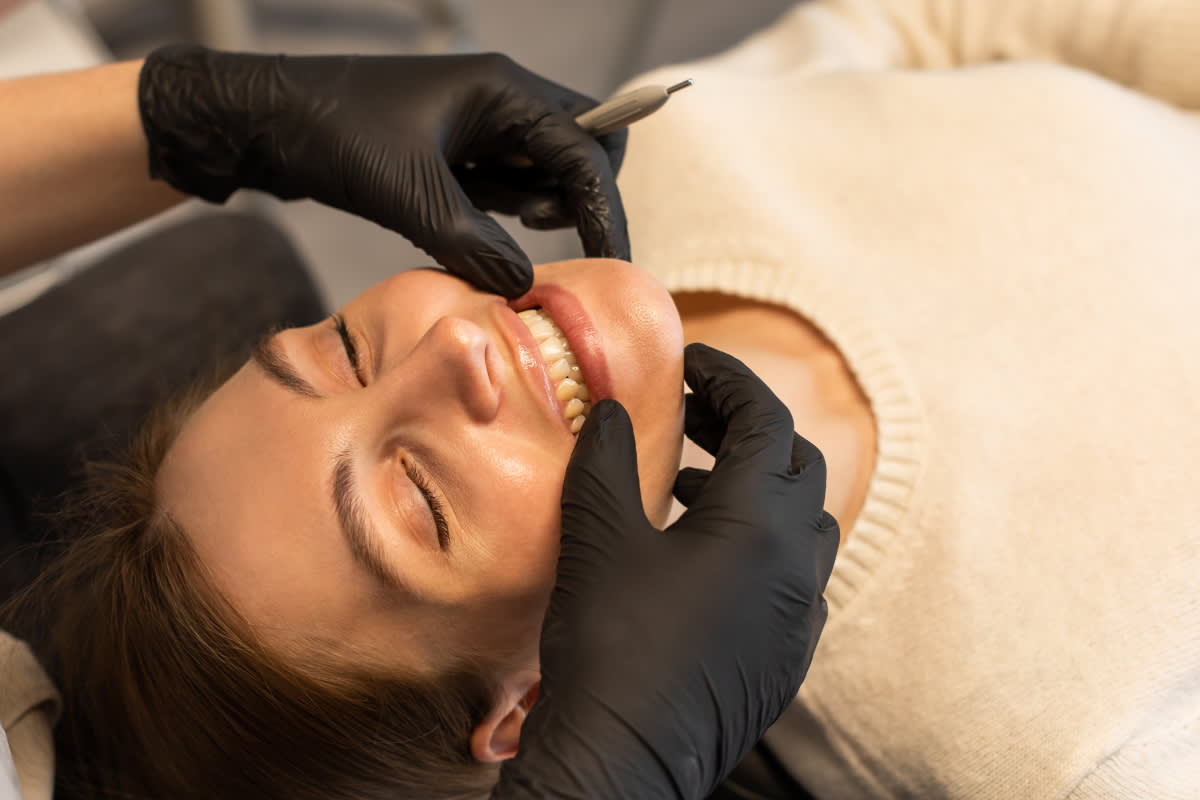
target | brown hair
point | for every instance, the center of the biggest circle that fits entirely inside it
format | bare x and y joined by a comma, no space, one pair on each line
168,694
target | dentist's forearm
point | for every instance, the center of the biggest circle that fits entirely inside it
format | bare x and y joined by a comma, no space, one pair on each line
73,162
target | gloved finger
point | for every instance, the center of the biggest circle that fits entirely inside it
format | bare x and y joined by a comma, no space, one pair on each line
582,169
502,188
544,214
808,470
601,516
829,538
757,425
613,143
701,423
601,492
469,243
807,459
689,483
534,196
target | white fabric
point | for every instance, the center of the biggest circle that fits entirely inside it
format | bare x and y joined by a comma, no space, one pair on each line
9,788
1008,257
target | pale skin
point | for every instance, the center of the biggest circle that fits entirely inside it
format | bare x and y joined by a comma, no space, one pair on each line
808,374
441,390
73,162
444,388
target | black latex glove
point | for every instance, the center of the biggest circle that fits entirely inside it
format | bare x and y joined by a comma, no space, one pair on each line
666,655
418,144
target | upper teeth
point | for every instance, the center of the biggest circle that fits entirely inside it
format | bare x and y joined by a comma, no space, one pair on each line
563,369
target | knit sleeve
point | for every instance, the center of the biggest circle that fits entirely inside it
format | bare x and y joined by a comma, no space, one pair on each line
1149,45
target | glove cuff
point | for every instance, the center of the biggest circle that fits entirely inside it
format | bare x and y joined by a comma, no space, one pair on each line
183,100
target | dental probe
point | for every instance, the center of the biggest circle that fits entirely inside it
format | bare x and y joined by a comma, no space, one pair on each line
618,112
626,109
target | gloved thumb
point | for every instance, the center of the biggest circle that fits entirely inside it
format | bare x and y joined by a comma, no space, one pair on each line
689,483
470,243
601,492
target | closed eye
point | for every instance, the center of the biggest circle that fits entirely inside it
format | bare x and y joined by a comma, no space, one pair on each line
436,507
339,322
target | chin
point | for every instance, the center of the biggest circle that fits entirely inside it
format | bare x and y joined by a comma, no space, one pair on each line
640,337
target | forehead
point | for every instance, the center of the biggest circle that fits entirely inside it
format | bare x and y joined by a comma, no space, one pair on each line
242,464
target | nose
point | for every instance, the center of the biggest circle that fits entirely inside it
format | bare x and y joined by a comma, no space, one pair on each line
453,356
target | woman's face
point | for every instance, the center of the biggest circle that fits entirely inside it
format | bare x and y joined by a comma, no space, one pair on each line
407,511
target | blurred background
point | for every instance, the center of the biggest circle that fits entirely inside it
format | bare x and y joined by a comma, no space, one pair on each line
590,46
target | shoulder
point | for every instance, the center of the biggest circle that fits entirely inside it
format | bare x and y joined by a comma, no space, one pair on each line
24,685
29,706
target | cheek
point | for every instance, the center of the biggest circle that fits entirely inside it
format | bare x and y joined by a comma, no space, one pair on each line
660,443
520,523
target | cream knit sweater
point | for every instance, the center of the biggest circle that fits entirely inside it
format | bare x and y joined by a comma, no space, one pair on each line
29,706
992,208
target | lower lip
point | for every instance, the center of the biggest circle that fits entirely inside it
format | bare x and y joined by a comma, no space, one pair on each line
578,328
532,364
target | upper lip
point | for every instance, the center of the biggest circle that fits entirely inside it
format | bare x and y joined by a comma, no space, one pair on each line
580,332
578,328
527,359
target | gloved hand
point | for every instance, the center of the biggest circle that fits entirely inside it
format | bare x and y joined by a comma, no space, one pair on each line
666,655
418,144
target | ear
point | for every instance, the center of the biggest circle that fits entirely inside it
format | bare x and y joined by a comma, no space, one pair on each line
497,737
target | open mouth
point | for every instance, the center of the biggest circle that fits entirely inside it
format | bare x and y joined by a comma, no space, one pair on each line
562,366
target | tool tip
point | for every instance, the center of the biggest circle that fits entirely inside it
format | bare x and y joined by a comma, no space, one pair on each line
680,85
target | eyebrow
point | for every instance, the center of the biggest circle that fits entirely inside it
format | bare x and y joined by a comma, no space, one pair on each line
356,526
280,369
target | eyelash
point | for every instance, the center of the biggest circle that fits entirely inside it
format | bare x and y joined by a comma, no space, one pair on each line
436,507
339,322
435,504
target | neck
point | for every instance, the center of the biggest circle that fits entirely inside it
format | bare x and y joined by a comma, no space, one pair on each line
808,374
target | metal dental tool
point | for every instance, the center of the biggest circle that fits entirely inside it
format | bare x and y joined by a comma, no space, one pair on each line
625,109
618,112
